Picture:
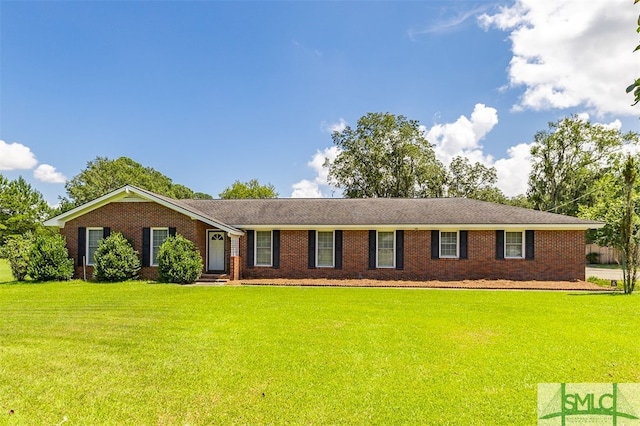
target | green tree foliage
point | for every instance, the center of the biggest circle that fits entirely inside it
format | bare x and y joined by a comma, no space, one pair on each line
519,201
386,156
617,195
567,161
179,261
16,250
635,86
103,175
115,260
251,189
49,260
475,181
22,208
630,225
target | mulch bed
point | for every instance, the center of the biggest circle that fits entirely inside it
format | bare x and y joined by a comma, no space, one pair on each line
466,284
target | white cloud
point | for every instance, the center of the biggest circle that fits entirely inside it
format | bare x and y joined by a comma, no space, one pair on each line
338,126
48,173
15,156
513,171
463,136
306,189
446,25
569,53
313,189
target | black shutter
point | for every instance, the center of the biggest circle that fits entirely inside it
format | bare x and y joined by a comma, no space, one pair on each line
250,243
276,248
435,244
529,244
146,246
400,250
338,248
464,241
106,231
172,232
372,249
82,244
312,249
499,244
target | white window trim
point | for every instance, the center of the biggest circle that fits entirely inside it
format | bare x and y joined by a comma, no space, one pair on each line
255,249
89,261
393,265
457,255
151,256
522,244
333,250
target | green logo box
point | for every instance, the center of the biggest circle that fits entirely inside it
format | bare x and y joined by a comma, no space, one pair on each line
561,404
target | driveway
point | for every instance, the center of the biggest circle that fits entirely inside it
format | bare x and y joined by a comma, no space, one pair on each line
607,274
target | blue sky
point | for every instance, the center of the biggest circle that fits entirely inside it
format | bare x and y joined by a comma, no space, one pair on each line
211,92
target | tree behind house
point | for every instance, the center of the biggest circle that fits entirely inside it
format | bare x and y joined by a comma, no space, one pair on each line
385,156
568,160
251,189
103,175
22,208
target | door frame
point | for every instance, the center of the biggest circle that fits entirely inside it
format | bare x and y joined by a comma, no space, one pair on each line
224,250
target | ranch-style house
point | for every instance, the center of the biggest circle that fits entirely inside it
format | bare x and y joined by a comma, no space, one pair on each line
374,238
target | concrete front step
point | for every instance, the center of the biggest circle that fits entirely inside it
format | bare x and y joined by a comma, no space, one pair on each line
213,278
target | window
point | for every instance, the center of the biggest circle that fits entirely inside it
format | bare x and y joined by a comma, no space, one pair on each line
449,244
158,235
513,244
386,249
263,248
324,248
94,235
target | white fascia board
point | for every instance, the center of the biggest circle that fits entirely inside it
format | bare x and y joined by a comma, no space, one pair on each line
426,227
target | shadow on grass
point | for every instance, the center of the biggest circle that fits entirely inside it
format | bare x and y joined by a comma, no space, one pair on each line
600,293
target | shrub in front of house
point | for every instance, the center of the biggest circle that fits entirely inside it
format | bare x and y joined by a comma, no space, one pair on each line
16,250
179,261
49,260
115,260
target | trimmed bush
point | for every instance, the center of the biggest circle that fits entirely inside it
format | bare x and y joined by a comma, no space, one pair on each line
179,261
49,260
115,260
16,250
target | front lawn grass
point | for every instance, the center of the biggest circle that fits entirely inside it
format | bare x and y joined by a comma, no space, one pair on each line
136,353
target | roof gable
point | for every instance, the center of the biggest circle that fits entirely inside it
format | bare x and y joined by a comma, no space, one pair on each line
130,193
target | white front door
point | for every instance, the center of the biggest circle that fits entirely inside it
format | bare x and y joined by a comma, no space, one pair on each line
216,251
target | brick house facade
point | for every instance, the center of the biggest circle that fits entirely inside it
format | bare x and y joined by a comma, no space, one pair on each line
395,239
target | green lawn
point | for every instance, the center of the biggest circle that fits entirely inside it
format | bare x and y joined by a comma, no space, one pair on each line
137,353
605,265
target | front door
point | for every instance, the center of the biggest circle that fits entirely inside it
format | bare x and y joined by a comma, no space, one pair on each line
215,262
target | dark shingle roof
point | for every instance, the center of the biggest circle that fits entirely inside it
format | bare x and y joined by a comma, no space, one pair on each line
374,211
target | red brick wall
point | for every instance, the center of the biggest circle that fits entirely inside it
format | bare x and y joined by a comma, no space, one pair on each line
559,255
129,218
